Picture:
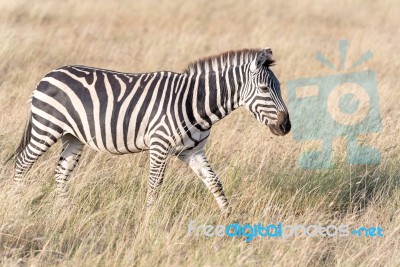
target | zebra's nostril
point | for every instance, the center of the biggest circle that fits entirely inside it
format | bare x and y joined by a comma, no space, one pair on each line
285,126
282,128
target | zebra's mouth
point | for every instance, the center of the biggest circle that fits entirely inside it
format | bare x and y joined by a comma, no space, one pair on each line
276,130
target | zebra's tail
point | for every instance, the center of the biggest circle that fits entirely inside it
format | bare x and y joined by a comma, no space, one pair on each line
25,137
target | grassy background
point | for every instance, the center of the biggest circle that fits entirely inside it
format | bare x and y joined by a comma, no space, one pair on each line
106,225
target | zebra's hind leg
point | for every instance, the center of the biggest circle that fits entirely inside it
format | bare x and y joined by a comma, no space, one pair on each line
199,164
29,151
71,152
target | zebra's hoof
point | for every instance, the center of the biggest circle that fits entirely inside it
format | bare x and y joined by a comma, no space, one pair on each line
63,202
226,212
17,189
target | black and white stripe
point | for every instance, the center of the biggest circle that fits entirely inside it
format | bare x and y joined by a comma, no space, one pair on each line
164,112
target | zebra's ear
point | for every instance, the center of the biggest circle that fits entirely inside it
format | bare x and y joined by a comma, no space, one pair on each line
264,57
268,50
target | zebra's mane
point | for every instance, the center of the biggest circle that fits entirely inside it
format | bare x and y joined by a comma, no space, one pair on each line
225,60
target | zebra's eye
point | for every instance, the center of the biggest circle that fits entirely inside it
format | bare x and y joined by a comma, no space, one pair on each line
264,89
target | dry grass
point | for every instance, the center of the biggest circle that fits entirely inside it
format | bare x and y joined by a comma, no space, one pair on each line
106,226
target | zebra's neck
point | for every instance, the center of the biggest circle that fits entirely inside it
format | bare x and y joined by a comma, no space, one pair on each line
216,94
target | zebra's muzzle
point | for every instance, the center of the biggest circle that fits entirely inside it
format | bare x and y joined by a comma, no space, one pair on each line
282,126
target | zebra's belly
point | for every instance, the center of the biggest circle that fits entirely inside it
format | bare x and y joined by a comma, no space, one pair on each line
122,149
115,144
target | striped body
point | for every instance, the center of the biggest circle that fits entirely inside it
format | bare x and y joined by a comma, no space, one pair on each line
120,112
164,112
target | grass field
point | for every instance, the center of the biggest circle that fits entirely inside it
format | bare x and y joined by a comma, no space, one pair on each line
106,225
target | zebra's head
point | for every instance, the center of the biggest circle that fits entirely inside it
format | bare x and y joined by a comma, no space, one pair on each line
262,94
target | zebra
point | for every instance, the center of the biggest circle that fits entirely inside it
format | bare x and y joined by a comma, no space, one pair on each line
163,112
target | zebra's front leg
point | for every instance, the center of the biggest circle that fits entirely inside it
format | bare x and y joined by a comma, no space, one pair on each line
158,161
199,164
